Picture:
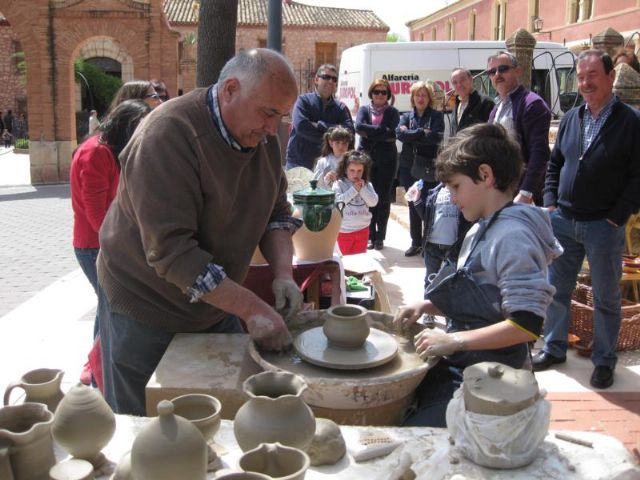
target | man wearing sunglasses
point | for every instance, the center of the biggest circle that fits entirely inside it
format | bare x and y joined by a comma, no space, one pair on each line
313,114
527,117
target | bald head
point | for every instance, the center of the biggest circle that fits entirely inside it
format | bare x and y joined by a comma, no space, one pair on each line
256,88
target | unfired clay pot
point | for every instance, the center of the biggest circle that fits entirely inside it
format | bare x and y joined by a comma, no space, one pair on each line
84,424
40,386
243,476
346,326
73,469
169,447
276,461
275,412
26,446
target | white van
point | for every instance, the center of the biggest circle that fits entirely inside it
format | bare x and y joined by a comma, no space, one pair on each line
403,63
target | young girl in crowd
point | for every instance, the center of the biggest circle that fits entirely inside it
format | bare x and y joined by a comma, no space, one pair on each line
335,143
358,195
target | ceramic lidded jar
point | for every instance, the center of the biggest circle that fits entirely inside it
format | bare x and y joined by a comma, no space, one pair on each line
346,326
276,461
169,447
84,424
40,386
26,446
275,412
322,218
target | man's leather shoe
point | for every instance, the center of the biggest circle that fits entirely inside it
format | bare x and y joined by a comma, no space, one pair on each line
370,245
378,245
412,251
602,377
543,360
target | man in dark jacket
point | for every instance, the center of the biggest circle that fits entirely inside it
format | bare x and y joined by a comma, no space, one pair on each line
592,187
313,114
471,107
525,115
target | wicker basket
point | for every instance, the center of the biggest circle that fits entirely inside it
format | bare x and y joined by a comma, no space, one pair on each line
582,320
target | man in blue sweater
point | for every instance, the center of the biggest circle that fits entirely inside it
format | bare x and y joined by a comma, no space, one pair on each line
592,187
313,114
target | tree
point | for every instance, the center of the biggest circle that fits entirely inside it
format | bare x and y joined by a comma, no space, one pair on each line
216,38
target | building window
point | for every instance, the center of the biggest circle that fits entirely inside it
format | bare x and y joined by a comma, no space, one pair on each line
573,11
499,19
325,53
262,43
433,34
472,25
534,12
450,29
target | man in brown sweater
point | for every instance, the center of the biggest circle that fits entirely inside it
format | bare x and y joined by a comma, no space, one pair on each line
201,187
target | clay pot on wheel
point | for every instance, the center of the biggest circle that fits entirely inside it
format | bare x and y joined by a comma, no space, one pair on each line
84,424
276,461
40,386
275,412
346,326
169,448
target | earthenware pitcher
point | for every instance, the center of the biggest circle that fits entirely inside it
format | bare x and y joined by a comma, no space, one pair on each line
346,326
275,412
26,445
40,386
317,206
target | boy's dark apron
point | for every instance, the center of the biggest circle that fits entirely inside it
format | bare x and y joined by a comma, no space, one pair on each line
468,306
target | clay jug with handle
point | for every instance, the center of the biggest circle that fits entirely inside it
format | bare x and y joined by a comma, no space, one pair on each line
25,440
40,386
275,412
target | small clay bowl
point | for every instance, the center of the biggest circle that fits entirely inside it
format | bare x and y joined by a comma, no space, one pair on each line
202,410
243,476
276,461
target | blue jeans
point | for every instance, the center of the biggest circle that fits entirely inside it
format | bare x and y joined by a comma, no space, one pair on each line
87,259
603,246
415,222
131,352
433,255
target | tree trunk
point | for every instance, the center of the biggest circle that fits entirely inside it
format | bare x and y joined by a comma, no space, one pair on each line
216,38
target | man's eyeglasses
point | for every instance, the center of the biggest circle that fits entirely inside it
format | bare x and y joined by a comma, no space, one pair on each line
324,76
499,69
379,92
155,96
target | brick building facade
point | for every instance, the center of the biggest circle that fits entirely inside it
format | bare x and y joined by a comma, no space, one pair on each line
572,22
148,39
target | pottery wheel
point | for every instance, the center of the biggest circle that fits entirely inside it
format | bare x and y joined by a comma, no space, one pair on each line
313,346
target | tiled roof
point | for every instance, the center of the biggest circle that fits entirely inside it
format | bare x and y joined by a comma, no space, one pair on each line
254,12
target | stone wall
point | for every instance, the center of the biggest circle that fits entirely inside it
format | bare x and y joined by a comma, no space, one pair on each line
11,86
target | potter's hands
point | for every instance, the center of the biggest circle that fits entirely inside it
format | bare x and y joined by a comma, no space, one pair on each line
288,297
267,328
436,343
409,314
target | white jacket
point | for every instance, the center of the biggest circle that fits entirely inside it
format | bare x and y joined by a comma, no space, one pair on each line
356,214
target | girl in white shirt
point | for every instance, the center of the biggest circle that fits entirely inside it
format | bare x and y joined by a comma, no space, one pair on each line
356,192
335,143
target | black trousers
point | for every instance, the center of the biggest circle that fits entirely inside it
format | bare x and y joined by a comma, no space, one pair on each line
383,173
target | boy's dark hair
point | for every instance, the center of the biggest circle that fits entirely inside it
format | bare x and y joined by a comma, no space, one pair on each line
484,143
354,156
335,134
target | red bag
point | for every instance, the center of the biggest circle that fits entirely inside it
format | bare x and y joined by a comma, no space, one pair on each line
95,361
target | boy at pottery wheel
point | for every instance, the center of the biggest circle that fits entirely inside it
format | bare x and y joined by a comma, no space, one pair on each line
496,294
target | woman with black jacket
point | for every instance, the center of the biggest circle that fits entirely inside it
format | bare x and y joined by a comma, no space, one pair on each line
376,124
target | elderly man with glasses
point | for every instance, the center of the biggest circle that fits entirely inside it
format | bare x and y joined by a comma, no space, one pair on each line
527,117
313,114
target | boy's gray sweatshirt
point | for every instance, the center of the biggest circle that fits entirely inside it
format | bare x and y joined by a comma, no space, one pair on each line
514,255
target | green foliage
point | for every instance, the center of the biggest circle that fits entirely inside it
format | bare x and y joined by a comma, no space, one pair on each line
22,143
102,87
21,67
189,38
395,37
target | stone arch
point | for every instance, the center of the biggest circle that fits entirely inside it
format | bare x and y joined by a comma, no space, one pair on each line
108,47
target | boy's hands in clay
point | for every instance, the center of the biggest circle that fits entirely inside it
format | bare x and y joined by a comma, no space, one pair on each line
408,314
288,297
436,343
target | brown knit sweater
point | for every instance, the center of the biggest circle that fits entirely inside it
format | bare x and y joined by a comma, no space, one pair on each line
185,199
